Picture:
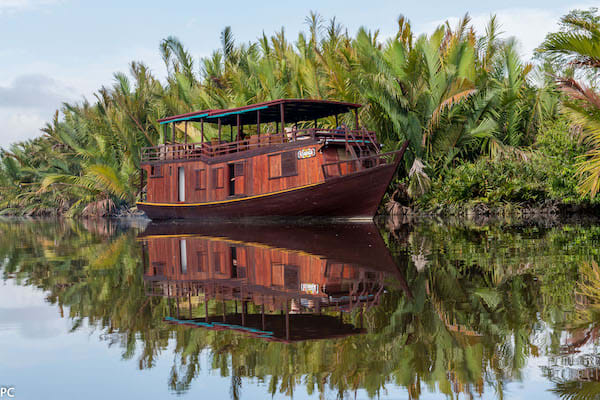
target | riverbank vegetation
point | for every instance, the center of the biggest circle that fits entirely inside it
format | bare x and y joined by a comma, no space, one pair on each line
484,125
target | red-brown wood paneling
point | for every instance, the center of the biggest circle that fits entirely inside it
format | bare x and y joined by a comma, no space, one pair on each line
260,174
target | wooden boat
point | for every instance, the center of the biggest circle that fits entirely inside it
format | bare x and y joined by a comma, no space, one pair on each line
296,170
297,275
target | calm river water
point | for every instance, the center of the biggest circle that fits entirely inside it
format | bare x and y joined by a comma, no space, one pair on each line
424,310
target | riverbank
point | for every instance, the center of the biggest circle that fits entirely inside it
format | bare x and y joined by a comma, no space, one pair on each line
533,182
550,212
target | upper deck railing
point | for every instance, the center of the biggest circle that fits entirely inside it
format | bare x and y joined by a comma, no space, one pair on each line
187,151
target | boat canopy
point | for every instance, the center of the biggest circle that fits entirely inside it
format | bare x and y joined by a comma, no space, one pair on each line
288,110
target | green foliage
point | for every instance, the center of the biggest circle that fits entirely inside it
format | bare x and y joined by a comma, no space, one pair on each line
577,46
546,172
453,94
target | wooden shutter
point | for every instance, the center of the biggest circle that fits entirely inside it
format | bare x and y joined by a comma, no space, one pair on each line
214,176
217,178
291,277
275,166
220,178
289,164
202,261
155,171
217,262
200,179
239,169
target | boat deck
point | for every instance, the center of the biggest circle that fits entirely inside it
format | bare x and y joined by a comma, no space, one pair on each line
194,151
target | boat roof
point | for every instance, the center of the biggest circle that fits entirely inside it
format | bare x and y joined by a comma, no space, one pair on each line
295,110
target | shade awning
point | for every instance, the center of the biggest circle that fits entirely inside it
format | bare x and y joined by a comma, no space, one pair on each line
294,110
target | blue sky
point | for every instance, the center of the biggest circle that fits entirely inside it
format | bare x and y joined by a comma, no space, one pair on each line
63,50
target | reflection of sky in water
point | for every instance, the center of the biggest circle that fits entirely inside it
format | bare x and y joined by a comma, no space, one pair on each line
43,360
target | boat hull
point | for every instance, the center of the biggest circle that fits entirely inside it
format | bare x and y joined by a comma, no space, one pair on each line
354,195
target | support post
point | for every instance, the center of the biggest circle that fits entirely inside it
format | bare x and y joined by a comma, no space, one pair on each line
244,311
258,123
186,135
355,119
141,184
205,307
165,133
282,115
362,308
202,132
172,132
219,124
237,123
336,121
287,320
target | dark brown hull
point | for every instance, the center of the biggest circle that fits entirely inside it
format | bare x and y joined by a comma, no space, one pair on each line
358,244
354,195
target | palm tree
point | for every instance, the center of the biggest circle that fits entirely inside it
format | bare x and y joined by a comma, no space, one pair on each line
454,95
577,45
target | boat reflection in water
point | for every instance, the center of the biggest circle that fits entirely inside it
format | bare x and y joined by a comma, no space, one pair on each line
278,283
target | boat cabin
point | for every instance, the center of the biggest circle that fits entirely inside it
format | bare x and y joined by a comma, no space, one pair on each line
254,153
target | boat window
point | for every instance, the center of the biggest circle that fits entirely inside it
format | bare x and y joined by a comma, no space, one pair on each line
200,179
202,261
233,252
289,164
283,164
217,262
291,277
183,256
239,169
275,166
181,183
158,268
218,180
277,275
231,179
155,171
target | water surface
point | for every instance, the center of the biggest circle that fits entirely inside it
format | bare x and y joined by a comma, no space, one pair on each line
421,310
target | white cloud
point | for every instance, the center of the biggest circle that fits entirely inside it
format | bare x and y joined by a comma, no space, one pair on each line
24,309
21,124
35,91
27,103
12,6
13,296
528,25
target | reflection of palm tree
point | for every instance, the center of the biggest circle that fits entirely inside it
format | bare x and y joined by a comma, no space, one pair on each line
575,47
584,329
576,390
475,285
235,388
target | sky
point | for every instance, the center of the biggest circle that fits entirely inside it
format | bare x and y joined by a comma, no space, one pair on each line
46,360
55,51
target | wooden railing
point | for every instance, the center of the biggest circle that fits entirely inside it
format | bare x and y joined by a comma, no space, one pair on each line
184,151
345,167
